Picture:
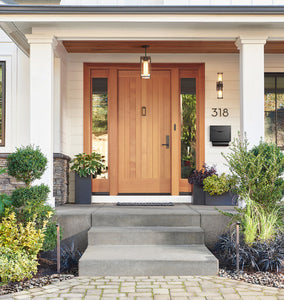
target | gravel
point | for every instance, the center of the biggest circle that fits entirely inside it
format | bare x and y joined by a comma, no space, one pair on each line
261,278
35,282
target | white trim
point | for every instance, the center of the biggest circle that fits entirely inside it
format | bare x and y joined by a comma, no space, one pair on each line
142,199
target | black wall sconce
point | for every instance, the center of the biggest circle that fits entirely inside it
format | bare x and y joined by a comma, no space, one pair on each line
219,86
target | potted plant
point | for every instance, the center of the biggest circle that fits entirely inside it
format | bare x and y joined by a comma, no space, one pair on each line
218,190
86,166
196,178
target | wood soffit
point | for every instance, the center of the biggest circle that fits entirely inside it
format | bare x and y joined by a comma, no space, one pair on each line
163,46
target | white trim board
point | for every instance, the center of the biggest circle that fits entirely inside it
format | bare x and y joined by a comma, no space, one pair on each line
142,199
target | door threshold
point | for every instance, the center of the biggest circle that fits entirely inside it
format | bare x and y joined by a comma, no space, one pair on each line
142,199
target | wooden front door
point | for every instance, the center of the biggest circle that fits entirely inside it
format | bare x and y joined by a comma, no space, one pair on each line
144,128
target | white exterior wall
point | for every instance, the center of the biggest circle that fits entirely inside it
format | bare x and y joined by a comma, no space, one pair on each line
226,63
17,95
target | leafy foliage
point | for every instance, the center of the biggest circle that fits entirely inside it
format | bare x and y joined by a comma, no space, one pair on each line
26,164
218,185
88,164
17,236
198,176
19,247
30,196
69,257
259,256
16,266
5,202
257,172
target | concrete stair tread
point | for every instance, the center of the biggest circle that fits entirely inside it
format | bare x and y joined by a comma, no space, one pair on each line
151,210
146,229
153,253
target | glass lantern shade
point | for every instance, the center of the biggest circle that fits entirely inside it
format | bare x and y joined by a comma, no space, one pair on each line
145,62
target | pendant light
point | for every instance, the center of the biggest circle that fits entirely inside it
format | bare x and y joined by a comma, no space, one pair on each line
145,62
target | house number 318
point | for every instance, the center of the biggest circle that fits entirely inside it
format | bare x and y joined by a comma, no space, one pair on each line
220,112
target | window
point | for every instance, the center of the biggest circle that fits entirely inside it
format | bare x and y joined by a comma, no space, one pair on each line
188,125
2,102
274,108
100,119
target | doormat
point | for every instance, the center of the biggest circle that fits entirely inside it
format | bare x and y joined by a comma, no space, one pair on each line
144,204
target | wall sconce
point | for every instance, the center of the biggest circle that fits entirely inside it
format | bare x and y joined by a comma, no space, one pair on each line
145,62
219,86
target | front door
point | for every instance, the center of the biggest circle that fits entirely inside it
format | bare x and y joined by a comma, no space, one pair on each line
144,127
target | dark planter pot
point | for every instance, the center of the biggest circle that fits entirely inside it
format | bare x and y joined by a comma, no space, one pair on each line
83,189
218,200
198,195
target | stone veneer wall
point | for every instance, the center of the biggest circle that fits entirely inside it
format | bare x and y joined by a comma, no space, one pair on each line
60,178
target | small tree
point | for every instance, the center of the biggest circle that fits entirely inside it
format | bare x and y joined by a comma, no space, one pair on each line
26,164
29,203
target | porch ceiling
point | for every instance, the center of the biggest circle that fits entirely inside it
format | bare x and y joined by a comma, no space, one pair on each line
163,46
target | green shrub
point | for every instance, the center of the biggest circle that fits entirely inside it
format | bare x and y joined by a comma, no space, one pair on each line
19,247
5,202
257,172
34,195
50,236
16,266
17,236
26,164
218,185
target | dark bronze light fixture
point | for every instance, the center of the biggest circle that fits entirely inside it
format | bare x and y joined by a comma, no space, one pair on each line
219,86
145,62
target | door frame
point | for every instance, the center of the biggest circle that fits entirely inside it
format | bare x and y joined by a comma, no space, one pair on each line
110,71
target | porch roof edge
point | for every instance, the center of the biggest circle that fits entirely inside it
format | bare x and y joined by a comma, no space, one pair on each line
68,9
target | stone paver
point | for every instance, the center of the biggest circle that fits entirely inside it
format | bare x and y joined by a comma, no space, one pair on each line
152,287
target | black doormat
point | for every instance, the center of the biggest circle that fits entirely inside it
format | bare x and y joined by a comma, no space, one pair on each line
144,204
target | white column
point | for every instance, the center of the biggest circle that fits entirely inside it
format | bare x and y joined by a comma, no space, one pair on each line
252,88
41,102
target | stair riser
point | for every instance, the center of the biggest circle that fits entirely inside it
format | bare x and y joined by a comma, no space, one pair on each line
145,238
142,220
147,268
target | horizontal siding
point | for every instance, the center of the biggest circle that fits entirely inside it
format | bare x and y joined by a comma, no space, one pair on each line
228,64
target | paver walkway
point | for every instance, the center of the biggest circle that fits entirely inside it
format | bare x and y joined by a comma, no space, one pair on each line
153,287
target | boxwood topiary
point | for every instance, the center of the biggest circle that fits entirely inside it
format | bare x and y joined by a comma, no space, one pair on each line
26,164
34,195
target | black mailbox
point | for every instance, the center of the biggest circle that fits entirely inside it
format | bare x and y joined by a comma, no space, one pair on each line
220,135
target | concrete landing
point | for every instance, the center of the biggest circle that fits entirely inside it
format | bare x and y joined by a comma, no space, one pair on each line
134,260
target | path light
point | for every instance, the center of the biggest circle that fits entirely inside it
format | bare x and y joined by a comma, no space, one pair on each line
145,62
219,86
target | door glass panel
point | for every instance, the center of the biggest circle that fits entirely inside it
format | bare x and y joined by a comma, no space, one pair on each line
280,110
100,119
188,126
269,108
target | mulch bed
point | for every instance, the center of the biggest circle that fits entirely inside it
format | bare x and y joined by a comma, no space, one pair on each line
261,278
46,275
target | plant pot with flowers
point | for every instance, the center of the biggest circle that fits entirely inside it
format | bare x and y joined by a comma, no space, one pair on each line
86,166
218,190
196,178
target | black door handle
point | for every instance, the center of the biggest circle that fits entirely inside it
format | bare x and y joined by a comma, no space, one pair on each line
167,142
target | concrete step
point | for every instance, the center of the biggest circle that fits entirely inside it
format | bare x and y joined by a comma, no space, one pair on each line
158,235
137,260
181,215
